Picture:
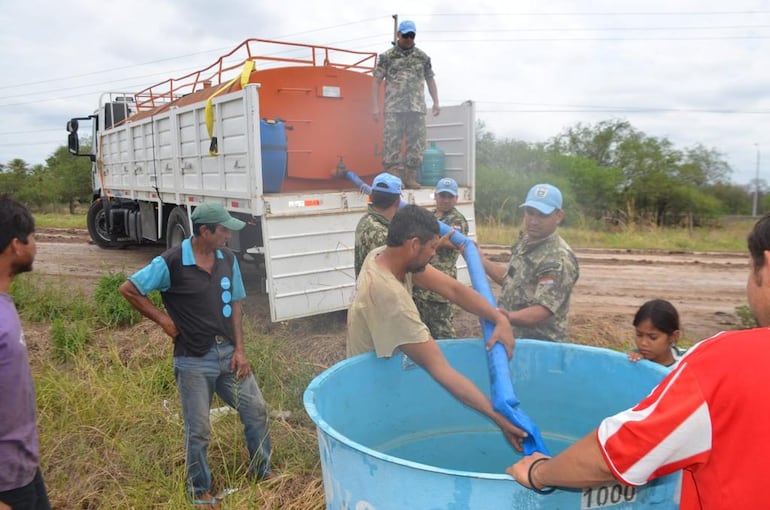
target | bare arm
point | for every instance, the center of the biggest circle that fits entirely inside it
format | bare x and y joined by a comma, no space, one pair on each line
429,357
494,271
239,363
580,465
470,301
529,316
146,308
433,91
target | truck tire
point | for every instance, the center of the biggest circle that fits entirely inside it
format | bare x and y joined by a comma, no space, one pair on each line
97,225
177,228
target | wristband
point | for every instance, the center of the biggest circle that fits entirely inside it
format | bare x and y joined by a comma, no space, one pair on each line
544,490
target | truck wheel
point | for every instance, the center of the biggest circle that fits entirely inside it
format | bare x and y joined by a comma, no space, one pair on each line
177,228
97,225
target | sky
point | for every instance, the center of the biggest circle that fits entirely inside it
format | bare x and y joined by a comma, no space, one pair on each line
692,71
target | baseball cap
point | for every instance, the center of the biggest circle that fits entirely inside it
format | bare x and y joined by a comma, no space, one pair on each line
387,183
543,197
448,185
212,212
407,26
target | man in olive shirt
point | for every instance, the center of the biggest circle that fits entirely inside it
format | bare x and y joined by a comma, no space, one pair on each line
538,282
372,228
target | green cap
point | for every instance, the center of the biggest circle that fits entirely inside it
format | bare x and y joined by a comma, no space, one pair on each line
212,212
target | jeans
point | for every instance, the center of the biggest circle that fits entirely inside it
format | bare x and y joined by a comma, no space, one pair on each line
32,496
197,378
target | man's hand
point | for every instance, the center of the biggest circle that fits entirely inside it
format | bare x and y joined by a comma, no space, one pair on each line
634,356
169,328
445,243
503,333
520,470
513,434
436,109
240,365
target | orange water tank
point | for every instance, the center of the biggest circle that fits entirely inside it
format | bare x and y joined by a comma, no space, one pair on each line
328,114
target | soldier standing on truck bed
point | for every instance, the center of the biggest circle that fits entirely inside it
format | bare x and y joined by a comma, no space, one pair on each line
404,67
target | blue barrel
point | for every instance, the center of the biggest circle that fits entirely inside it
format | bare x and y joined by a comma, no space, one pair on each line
391,438
274,155
433,165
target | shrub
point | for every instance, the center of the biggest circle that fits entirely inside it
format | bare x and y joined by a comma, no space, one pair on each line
69,338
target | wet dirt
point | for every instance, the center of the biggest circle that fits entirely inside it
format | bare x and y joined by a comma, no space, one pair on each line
706,287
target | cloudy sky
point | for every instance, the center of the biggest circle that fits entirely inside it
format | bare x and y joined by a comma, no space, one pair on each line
693,71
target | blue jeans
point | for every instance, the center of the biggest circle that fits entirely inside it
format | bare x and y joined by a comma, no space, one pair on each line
197,378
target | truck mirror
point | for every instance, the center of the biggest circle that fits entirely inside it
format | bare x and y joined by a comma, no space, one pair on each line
73,144
72,126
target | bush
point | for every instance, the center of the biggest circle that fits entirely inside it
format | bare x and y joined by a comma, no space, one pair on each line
38,302
112,309
68,339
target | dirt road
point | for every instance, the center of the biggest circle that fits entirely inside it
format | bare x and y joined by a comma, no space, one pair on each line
706,287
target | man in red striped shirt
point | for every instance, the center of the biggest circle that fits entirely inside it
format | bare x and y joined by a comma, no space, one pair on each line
709,417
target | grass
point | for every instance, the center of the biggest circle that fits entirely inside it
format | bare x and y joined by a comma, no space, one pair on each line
108,408
60,220
728,237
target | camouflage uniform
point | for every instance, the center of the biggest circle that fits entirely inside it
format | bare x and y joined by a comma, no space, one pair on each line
436,310
371,232
404,72
541,273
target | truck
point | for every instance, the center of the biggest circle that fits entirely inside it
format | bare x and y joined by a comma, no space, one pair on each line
268,130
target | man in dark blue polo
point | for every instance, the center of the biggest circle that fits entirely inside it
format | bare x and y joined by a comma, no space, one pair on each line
201,286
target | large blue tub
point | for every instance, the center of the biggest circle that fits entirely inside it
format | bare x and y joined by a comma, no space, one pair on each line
391,438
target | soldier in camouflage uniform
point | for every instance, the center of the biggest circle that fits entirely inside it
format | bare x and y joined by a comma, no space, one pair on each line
435,310
404,67
372,228
538,282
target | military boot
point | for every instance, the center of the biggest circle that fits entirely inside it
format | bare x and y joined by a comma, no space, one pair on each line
409,178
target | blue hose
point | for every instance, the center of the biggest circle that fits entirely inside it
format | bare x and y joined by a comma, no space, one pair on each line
503,397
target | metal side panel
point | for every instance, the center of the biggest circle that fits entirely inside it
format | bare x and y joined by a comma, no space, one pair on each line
309,262
453,132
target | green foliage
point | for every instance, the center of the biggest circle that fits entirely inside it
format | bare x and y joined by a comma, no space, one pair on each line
64,178
58,220
68,338
71,176
746,316
111,307
41,302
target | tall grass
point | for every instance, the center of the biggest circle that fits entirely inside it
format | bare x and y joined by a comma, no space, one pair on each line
110,429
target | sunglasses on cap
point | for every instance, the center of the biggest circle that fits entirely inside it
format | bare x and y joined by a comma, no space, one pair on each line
408,35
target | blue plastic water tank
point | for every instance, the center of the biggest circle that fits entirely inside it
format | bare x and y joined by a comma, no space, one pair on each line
433,165
391,438
274,155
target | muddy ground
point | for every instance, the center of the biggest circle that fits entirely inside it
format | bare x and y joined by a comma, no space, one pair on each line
706,287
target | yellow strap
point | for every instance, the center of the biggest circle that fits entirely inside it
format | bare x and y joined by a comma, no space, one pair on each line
209,114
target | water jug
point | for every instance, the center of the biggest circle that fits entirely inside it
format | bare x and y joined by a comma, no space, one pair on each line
432,165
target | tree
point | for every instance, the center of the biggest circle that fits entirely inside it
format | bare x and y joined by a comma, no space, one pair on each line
71,176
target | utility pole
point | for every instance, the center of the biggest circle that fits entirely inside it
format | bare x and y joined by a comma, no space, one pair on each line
756,186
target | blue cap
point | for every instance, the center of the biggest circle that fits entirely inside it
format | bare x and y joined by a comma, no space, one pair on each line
407,26
445,184
387,183
543,197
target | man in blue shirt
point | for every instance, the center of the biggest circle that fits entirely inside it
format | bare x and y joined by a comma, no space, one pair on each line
201,287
